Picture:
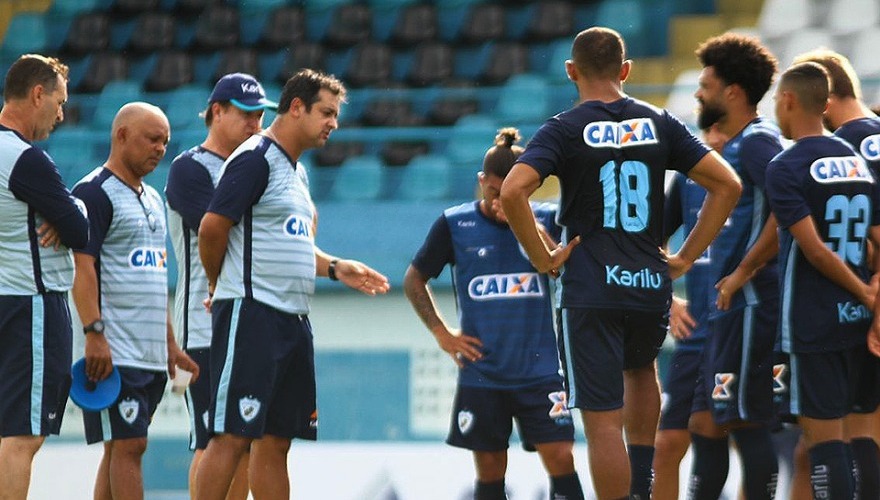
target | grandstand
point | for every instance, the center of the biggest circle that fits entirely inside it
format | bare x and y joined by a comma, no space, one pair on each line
430,83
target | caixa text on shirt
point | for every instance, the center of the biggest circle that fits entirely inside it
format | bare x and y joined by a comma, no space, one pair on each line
505,286
847,312
642,278
141,258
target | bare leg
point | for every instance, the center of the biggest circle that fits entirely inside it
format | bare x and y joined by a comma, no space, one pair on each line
126,477
102,480
609,462
193,467
16,456
239,489
268,468
218,465
670,448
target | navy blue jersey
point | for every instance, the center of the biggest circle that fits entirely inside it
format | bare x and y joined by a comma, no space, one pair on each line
611,161
822,178
748,153
864,136
501,298
683,203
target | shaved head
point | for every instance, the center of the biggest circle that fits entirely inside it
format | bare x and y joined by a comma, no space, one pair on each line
136,111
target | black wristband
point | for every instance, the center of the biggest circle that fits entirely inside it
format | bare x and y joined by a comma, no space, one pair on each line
331,270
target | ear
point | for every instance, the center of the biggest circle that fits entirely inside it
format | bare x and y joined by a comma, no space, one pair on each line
297,107
571,70
625,69
37,94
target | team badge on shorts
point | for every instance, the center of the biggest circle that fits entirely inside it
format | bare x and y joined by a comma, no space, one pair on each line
779,372
723,386
248,407
465,421
559,410
128,410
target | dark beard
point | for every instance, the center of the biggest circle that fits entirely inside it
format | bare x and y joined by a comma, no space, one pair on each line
708,116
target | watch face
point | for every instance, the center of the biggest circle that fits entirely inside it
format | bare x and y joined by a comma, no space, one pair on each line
97,326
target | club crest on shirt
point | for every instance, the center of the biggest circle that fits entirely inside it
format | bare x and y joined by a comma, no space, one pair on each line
779,372
465,421
723,386
607,134
559,410
129,409
248,408
840,169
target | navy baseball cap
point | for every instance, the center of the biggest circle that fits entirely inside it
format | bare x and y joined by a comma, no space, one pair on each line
243,91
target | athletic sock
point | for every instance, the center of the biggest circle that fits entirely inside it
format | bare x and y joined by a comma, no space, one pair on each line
490,491
566,487
759,463
865,454
709,468
641,459
830,470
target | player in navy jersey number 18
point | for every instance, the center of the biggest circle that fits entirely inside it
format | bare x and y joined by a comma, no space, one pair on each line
827,203
506,348
851,120
610,153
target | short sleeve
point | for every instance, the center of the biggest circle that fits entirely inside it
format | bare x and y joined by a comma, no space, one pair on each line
100,212
242,183
546,149
785,194
189,190
436,251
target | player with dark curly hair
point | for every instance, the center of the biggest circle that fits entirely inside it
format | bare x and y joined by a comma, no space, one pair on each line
734,393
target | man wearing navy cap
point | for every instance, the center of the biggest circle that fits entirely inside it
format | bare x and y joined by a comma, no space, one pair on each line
234,113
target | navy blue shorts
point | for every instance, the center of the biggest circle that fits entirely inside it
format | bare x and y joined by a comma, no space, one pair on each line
824,385
599,344
736,377
130,416
198,399
782,388
35,358
482,418
867,390
262,372
678,389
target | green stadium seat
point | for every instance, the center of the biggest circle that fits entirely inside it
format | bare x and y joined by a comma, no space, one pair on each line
112,97
359,178
427,177
26,34
524,98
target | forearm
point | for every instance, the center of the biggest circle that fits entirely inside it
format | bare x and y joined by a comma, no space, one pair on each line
419,295
322,261
522,222
85,294
212,251
765,248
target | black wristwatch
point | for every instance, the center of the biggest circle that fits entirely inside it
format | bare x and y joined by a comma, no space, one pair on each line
331,270
96,326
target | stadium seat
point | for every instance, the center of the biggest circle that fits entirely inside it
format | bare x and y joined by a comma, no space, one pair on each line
184,105
849,16
71,148
319,5
471,136
554,68
153,32
503,61
238,60
782,17
285,26
681,101
217,28
359,178
70,8
386,4
351,24
251,7
103,68
334,153
415,24
864,54
129,7
803,40
446,111
399,153
432,63
426,177
369,65
89,32
390,112
628,18
26,34
302,55
171,70
549,20
111,98
523,98
485,22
